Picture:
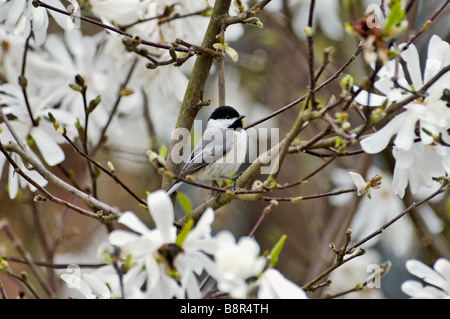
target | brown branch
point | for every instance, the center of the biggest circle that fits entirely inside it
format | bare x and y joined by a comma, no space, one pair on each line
426,25
46,193
321,86
105,26
113,111
12,237
104,211
103,169
50,265
310,43
315,196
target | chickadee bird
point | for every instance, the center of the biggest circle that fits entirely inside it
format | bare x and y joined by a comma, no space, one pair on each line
221,150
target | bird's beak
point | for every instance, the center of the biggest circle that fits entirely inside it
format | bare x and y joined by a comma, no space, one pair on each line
240,118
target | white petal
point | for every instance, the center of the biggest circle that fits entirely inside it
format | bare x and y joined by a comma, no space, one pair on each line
442,266
153,273
120,237
432,67
13,182
439,50
161,209
133,222
406,135
203,227
419,269
274,285
359,182
40,24
99,288
50,150
75,282
416,290
404,159
64,21
15,10
399,181
363,97
378,141
411,57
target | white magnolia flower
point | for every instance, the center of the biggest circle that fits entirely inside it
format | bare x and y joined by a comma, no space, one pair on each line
155,250
430,113
40,132
273,285
236,262
11,51
89,286
36,18
104,283
76,54
438,280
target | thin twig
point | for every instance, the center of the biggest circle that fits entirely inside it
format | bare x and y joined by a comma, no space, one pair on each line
425,26
23,80
114,110
51,265
11,130
302,98
403,213
107,212
105,26
311,67
46,193
221,79
315,196
326,272
12,237
103,169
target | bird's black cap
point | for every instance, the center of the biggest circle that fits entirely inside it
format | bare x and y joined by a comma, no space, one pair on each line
224,112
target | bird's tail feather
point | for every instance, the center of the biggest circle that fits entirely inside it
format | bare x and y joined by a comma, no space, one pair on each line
174,188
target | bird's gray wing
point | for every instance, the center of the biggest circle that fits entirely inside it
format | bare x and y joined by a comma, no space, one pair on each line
214,144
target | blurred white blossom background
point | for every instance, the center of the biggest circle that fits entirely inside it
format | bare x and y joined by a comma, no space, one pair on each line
103,88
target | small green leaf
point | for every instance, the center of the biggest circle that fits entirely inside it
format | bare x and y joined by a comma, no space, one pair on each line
184,232
52,118
126,92
184,202
396,16
276,250
448,209
30,141
111,167
207,13
93,104
129,262
232,53
173,54
163,151
75,87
